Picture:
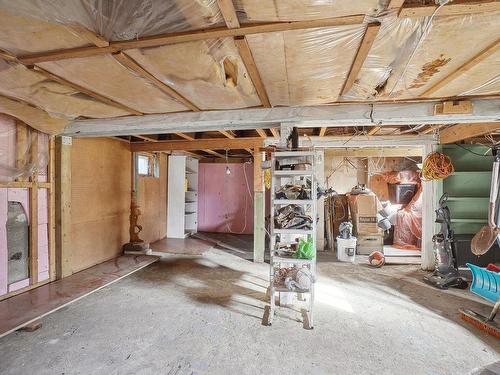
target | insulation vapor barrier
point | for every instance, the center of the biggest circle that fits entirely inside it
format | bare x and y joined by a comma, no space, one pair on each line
17,147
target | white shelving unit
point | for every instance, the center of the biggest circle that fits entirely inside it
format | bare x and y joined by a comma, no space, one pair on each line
280,178
182,219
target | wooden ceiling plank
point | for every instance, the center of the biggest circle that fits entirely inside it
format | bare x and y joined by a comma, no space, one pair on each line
229,13
369,36
488,51
253,72
189,36
199,144
456,8
89,35
131,64
102,98
460,132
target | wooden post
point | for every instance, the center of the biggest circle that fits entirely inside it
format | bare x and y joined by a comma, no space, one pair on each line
33,222
52,210
259,234
429,204
63,207
21,147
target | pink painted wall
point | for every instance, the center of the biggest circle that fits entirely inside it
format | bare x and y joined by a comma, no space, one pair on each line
224,204
7,161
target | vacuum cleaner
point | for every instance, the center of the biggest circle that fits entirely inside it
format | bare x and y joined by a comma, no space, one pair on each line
446,273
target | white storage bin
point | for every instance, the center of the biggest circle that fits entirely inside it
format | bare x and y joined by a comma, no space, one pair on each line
346,249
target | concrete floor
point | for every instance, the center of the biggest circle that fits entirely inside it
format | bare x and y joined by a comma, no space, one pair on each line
203,315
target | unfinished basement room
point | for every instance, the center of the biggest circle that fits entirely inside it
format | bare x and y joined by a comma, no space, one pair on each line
193,187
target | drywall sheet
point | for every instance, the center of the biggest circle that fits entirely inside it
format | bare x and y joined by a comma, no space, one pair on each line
152,199
300,10
225,201
60,101
105,75
100,200
199,71
307,67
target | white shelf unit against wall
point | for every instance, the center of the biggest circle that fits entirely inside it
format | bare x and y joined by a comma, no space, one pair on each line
182,204
278,179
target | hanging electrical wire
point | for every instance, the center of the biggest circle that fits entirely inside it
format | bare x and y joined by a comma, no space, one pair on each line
437,166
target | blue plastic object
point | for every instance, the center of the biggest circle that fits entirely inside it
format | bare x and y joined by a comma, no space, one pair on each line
485,283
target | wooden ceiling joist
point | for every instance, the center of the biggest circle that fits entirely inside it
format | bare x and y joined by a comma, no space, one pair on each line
488,51
431,129
185,136
253,72
229,13
90,36
369,36
460,132
322,131
374,130
455,8
190,36
261,132
198,144
102,98
275,132
146,138
131,64
227,134
214,153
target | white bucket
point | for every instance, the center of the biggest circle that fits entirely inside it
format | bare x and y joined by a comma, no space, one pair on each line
346,249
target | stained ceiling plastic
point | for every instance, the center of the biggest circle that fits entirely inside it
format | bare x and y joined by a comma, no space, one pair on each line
299,67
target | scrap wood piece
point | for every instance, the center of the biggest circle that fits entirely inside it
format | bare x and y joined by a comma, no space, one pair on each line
95,95
133,65
460,132
476,59
248,60
31,327
369,36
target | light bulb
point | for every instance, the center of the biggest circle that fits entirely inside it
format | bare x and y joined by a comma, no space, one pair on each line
228,171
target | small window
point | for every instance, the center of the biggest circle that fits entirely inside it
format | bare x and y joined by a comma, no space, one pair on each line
143,163
147,165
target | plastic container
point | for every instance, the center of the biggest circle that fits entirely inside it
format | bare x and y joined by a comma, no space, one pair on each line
346,249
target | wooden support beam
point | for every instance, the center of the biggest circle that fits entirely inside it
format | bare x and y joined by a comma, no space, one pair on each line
102,98
52,209
253,72
197,144
131,64
455,8
431,129
121,139
374,130
275,132
229,13
258,208
476,59
322,131
63,207
339,115
216,154
33,222
261,132
363,50
375,152
190,36
22,148
460,132
7,56
89,35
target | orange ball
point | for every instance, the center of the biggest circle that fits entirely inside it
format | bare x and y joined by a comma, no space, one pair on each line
376,259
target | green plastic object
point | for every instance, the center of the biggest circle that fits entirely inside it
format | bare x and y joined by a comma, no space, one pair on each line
306,249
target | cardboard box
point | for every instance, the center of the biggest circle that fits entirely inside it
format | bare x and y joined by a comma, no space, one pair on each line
368,243
364,213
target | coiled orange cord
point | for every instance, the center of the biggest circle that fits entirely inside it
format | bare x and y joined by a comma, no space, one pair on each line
436,166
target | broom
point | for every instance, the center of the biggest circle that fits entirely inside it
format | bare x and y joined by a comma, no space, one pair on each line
481,322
